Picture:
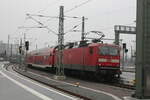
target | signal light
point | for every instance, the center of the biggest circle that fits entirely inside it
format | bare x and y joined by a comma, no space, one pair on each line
126,50
124,45
27,45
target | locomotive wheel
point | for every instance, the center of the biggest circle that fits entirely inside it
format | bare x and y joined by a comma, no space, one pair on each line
99,77
90,76
83,75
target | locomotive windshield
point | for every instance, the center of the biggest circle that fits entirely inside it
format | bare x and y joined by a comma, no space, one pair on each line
107,50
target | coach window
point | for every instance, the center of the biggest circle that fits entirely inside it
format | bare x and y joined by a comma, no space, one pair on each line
46,57
91,50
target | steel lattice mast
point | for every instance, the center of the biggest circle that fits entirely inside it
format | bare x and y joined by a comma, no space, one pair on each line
60,68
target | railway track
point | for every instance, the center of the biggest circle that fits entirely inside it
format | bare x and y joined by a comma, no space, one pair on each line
119,83
125,90
52,86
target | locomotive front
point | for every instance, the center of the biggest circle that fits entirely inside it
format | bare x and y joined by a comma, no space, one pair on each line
109,60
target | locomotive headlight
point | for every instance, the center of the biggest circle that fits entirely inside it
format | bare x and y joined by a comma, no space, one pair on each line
115,61
102,60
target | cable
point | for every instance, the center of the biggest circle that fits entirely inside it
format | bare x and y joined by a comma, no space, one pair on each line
30,17
77,6
42,24
48,5
73,17
73,28
39,15
24,27
16,31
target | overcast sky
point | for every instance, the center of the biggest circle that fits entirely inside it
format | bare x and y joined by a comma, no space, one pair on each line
102,16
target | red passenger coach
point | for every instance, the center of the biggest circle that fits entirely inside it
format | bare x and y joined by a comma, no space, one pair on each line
41,58
97,58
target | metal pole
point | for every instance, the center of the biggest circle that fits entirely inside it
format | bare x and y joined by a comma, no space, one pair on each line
143,49
11,50
123,59
8,47
83,29
139,56
117,36
131,55
82,39
126,59
21,53
24,38
36,46
25,53
17,48
60,68
25,64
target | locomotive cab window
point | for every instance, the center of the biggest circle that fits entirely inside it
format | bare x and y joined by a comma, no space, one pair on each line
108,50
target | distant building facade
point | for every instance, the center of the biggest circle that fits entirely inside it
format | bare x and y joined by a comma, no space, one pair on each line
8,50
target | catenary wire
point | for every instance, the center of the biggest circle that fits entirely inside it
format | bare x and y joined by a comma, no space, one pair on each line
48,5
77,6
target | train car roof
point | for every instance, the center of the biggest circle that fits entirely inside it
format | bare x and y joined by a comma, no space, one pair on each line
47,51
43,51
102,44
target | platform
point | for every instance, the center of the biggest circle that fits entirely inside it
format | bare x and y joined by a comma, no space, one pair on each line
16,87
131,98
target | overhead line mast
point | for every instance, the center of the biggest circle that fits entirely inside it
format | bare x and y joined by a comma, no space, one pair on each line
83,29
59,67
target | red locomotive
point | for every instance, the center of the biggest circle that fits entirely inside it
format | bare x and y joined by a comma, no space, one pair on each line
97,58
